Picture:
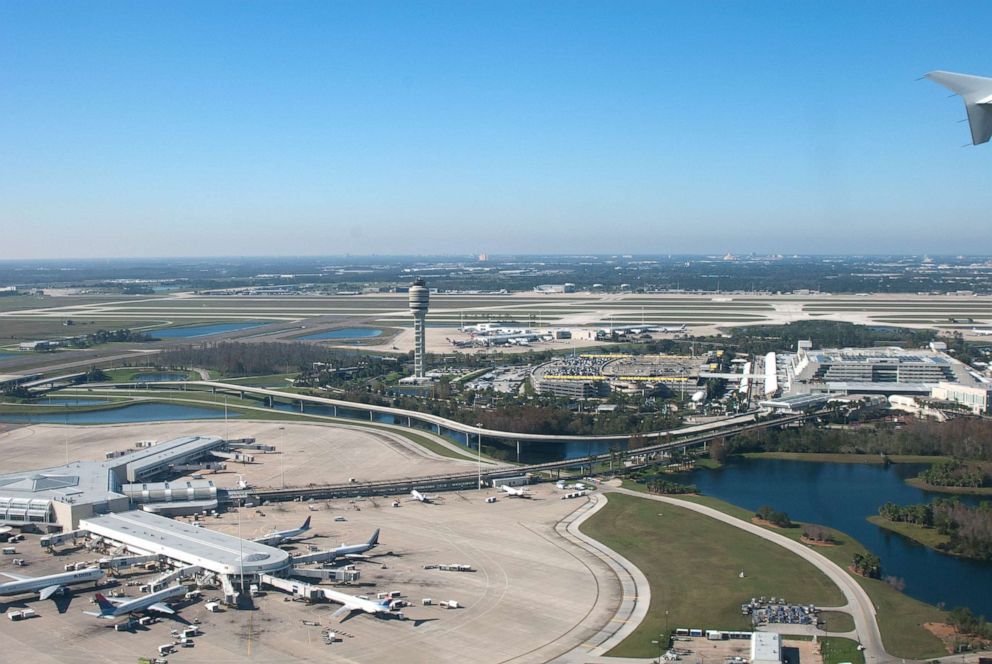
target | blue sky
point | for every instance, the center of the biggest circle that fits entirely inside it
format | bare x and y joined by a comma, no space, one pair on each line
297,128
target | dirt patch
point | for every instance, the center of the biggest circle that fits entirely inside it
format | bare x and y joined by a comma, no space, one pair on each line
950,636
813,542
768,524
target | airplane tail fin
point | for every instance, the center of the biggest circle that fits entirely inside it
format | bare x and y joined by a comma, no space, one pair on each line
977,94
306,524
374,540
105,606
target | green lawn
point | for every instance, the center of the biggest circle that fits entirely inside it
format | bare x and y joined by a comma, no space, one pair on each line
836,651
837,621
693,564
900,617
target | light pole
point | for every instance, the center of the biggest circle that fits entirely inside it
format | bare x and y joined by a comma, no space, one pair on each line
479,455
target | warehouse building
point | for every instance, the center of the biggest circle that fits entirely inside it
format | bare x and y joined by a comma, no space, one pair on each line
766,648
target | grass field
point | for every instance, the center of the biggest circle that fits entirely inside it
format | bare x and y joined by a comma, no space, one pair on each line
837,651
693,564
837,621
900,617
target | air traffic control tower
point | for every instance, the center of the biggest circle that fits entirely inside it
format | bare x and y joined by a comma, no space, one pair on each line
419,303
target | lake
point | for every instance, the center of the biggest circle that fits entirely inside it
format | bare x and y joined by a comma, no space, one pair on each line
68,401
140,412
200,330
158,377
343,333
842,496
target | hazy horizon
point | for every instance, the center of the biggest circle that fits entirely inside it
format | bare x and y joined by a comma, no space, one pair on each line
284,129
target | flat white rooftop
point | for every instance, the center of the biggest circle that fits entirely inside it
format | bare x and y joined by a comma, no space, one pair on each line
153,534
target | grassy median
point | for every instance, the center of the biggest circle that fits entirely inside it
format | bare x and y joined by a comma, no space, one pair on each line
900,617
693,564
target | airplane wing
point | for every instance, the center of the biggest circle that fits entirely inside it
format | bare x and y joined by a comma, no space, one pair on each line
161,608
48,591
346,611
977,94
16,577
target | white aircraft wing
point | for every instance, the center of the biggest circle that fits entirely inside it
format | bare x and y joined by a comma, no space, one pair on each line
977,94
345,611
161,608
48,591
16,577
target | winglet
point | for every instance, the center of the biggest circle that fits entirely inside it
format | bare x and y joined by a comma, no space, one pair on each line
976,91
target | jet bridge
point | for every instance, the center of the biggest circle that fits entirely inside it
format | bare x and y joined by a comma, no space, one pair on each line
182,572
51,541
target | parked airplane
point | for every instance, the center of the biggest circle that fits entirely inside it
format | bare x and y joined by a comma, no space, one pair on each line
112,608
351,605
49,585
355,550
277,537
515,492
981,332
422,497
349,551
977,94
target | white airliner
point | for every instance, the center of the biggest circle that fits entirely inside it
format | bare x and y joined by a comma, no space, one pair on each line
981,332
422,497
351,604
976,91
514,492
112,608
355,550
277,537
47,586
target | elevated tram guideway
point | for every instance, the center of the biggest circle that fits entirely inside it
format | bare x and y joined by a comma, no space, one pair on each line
470,480
439,425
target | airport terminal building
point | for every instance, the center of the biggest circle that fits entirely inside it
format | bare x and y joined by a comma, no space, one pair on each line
59,497
889,370
184,545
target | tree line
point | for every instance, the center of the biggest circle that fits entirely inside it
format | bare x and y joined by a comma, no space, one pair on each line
955,473
962,438
968,527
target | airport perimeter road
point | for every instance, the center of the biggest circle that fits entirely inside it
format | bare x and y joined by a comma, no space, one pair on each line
858,602
635,591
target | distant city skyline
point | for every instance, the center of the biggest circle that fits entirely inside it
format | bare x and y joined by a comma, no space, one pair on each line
386,128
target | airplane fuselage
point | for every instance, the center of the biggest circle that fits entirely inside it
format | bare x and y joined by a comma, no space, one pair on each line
40,583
